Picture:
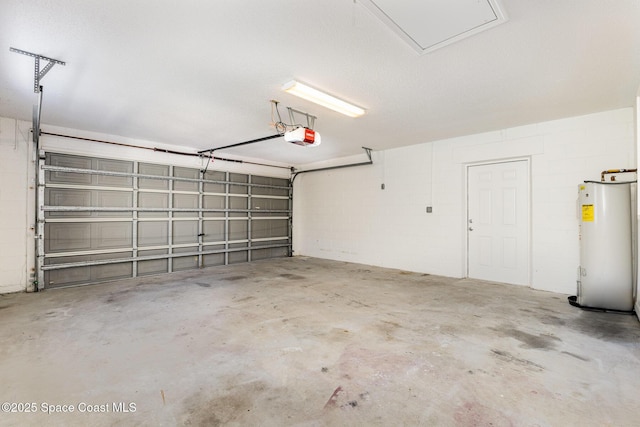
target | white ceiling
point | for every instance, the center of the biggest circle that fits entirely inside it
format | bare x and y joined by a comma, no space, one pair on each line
432,24
201,74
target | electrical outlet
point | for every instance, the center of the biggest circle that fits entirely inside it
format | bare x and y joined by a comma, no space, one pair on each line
429,209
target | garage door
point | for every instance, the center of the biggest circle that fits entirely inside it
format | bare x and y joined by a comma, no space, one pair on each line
105,219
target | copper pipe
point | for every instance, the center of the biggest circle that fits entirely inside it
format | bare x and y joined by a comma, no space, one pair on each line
615,171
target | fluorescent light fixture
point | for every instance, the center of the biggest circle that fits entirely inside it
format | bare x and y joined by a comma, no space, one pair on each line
314,95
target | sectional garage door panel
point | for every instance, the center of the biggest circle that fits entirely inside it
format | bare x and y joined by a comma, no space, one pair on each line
159,201
213,230
64,237
105,219
152,233
153,184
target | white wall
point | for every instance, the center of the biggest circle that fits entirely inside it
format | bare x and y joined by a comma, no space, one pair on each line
637,129
16,235
344,214
98,149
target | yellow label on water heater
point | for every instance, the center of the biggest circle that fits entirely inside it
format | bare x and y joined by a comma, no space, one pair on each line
587,213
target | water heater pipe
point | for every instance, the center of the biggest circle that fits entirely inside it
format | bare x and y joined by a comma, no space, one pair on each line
616,171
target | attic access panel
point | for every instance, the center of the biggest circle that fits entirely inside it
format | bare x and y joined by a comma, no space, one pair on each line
432,24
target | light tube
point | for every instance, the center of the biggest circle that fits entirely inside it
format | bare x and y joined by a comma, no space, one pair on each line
314,95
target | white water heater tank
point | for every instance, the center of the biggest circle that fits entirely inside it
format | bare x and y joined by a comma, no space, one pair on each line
606,263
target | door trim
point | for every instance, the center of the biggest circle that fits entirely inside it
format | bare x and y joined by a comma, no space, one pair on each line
465,218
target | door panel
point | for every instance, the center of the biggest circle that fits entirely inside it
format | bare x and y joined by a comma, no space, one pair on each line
498,222
104,219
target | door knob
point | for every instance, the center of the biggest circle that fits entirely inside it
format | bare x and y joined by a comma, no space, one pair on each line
470,228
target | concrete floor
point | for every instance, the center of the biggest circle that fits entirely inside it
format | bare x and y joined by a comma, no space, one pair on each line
309,342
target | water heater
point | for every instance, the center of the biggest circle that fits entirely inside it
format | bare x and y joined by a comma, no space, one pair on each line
605,275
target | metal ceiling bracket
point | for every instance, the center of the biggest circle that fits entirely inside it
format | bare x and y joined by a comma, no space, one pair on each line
311,120
38,72
367,150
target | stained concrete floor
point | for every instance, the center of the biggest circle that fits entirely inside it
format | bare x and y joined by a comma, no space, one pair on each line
309,342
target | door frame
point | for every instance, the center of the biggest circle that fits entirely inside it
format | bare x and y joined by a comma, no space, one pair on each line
465,219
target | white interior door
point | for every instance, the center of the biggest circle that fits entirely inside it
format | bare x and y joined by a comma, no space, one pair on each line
498,222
